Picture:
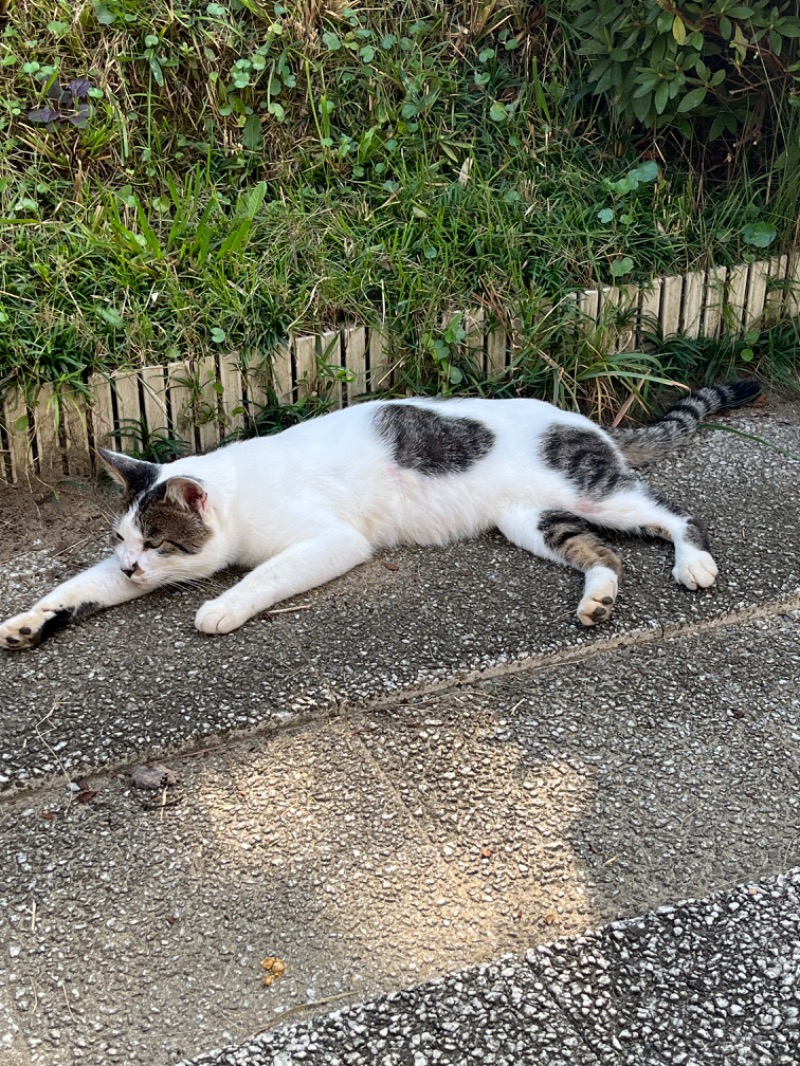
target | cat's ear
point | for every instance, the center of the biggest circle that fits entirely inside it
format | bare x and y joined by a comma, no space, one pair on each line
187,492
135,475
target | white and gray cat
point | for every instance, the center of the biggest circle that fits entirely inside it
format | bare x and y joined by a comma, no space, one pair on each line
302,507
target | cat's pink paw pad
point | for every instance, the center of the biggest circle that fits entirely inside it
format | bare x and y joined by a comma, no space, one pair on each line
216,616
697,572
594,609
24,630
599,595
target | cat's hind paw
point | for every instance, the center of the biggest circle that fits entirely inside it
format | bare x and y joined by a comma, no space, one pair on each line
591,610
218,616
698,571
26,630
599,595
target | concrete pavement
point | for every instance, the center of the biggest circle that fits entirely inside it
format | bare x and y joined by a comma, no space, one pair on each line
710,981
425,766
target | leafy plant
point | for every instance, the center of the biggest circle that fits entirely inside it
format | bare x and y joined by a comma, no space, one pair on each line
259,169
721,63
644,174
155,446
627,193
772,354
68,106
442,348
274,416
621,267
759,234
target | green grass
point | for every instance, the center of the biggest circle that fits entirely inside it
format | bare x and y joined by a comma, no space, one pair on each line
772,354
248,169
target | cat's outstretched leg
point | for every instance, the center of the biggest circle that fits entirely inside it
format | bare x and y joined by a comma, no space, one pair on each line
638,509
103,585
564,538
299,568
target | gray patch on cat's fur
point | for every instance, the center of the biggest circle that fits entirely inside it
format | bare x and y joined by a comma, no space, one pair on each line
695,535
162,519
431,443
585,459
576,542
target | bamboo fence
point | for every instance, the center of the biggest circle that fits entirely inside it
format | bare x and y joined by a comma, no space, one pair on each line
205,400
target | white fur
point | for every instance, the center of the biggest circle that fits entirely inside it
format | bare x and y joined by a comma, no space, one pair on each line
302,507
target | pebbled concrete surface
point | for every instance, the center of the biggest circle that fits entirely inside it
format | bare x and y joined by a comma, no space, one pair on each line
392,845
139,680
422,771
707,981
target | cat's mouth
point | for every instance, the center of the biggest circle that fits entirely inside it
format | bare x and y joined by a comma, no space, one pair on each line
135,575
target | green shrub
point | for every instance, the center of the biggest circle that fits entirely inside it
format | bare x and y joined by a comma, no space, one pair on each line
722,65
187,176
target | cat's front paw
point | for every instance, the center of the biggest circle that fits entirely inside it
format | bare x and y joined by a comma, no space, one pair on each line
220,616
25,630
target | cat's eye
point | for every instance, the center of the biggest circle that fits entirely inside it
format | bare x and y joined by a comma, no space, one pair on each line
119,536
153,545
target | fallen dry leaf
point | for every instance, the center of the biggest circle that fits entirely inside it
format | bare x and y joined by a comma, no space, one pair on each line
154,777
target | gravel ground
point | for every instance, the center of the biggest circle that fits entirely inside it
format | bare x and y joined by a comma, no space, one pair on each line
425,766
713,982
393,845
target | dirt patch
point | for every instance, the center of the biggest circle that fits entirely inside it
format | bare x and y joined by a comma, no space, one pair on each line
59,519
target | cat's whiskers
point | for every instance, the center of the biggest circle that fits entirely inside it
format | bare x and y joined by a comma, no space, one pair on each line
189,582
110,514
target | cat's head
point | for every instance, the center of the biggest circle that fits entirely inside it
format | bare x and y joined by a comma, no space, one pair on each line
166,531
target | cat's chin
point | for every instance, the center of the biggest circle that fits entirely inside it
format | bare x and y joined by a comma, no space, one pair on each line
147,582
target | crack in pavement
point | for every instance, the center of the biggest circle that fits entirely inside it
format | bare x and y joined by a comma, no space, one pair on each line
569,656
408,694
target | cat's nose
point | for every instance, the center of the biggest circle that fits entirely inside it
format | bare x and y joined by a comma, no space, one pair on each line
129,571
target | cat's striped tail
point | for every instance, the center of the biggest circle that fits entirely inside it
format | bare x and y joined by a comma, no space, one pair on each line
681,422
